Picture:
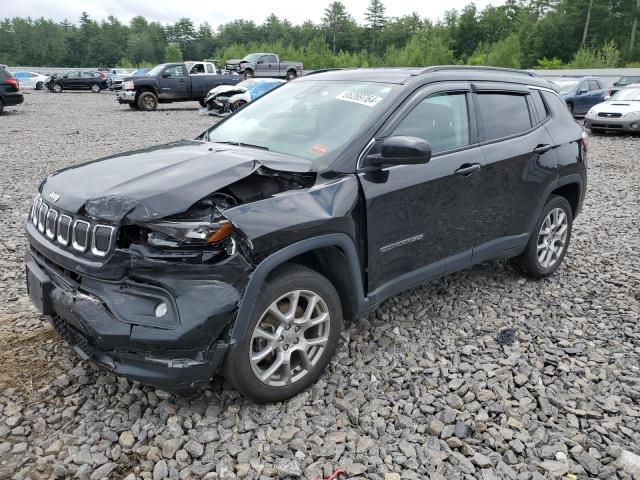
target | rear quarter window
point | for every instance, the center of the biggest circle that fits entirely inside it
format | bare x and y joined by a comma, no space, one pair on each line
557,106
503,114
538,102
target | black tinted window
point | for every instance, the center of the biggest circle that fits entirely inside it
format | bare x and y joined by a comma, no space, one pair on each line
503,114
441,119
541,108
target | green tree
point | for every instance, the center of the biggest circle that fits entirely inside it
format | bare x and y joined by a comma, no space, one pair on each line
374,16
173,53
336,23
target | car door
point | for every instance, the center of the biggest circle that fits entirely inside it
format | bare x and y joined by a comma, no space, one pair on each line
69,80
174,84
520,163
596,93
86,79
581,103
421,218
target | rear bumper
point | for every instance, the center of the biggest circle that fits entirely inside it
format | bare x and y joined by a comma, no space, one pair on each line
613,124
12,98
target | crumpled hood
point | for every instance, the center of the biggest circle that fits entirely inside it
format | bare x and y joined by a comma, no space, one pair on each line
225,89
617,106
159,181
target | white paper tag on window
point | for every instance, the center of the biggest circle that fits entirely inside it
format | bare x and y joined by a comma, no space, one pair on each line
357,97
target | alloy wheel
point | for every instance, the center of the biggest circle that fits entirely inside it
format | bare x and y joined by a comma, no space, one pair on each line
290,338
552,238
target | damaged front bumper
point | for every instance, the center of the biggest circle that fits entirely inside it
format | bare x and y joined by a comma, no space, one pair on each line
126,96
113,323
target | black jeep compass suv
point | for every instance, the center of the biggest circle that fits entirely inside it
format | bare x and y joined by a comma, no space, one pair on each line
244,251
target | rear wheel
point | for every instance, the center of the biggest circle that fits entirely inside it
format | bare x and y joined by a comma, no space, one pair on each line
1,106
292,336
549,242
95,88
57,88
570,107
147,101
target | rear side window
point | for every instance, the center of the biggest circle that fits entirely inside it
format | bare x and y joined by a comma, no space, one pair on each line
503,114
541,108
441,119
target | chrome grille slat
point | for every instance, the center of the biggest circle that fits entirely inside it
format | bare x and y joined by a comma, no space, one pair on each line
50,224
69,231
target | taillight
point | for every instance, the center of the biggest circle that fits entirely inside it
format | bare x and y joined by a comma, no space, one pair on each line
14,82
585,141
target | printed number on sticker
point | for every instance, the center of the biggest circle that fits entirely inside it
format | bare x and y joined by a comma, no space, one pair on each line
357,97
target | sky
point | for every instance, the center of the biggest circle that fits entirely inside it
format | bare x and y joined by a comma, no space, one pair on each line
219,11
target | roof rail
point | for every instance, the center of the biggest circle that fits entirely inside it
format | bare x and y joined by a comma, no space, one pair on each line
322,70
439,68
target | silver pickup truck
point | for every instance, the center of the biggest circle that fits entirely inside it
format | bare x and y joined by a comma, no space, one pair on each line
265,65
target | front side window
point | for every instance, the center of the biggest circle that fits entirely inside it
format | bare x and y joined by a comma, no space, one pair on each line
441,119
310,120
174,71
503,114
593,85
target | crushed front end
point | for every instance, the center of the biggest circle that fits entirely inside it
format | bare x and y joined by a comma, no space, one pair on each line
134,299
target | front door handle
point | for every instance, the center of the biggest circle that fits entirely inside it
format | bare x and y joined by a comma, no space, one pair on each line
540,149
468,169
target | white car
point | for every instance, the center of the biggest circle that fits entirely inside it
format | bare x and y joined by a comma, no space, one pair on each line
619,113
31,79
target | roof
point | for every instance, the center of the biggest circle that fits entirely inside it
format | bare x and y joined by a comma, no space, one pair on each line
433,73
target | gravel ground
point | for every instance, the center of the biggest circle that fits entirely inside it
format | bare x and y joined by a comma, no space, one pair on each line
421,388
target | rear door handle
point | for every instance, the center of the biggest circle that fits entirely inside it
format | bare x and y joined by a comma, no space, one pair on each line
540,149
468,169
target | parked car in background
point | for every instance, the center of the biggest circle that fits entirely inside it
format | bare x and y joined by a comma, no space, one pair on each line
77,80
580,94
31,79
624,81
247,250
10,94
116,76
265,65
619,113
170,82
226,99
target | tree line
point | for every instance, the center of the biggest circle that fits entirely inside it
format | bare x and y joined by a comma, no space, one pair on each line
519,34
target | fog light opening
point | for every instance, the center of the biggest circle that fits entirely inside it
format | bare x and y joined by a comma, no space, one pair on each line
161,310
635,126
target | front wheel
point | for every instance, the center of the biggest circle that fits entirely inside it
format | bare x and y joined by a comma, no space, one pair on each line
95,88
238,104
202,103
291,338
147,101
57,88
549,242
247,74
291,75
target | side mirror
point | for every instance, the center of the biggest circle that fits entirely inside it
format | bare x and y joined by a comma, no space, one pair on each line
260,62
615,84
607,97
401,150
582,92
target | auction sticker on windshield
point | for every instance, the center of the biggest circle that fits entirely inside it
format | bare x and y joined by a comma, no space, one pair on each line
358,97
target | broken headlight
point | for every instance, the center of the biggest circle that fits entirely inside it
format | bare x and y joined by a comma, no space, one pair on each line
187,233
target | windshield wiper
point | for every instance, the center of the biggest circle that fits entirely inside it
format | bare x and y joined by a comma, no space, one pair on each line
248,145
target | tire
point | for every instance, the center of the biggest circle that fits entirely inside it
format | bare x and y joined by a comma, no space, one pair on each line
540,265
147,101
570,107
133,106
238,104
247,74
39,86
1,106
57,88
202,103
279,288
291,75
95,88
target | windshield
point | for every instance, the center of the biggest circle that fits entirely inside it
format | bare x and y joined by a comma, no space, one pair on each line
628,81
627,95
155,71
312,120
565,86
252,57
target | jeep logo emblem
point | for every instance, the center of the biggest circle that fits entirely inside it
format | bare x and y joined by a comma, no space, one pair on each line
53,196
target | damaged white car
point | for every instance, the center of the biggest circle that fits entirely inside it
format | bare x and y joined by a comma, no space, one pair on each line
225,99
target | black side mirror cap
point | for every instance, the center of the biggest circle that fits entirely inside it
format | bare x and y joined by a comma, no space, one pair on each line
401,150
